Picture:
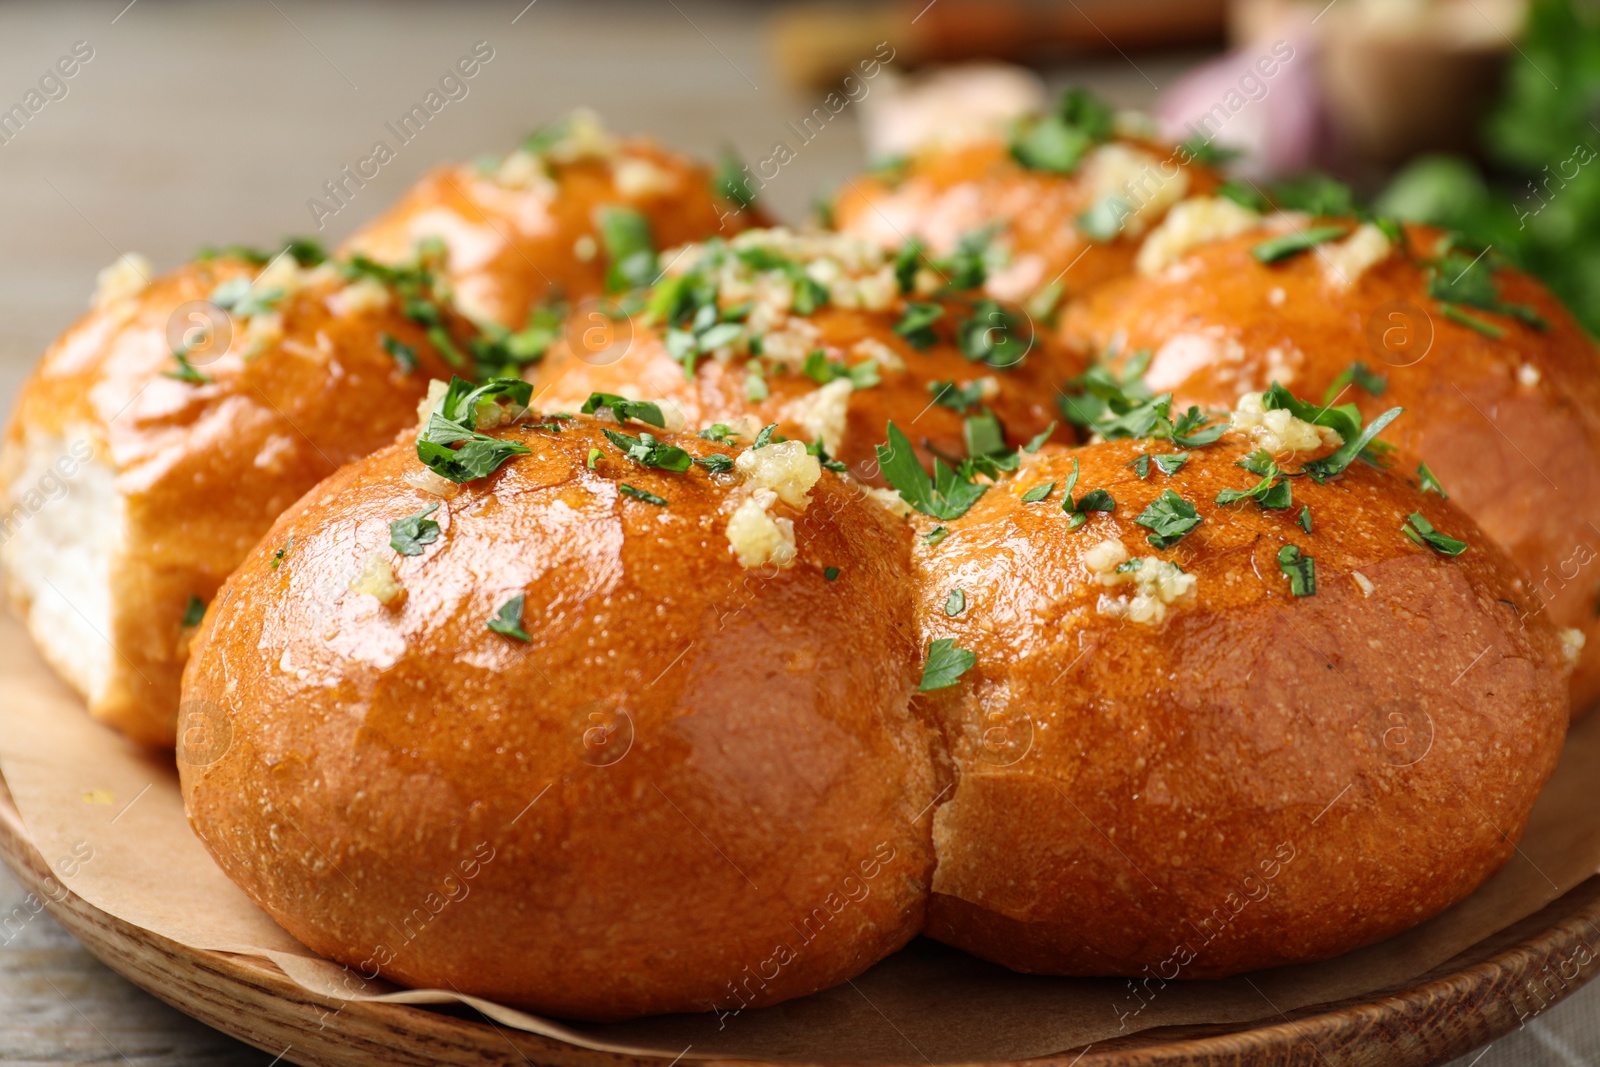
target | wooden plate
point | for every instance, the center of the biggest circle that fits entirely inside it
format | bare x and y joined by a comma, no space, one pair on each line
1466,1002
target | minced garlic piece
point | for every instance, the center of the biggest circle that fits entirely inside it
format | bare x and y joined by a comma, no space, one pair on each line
1344,262
889,500
424,480
784,468
586,248
638,178
1363,583
377,579
885,357
523,170
1572,642
823,413
756,536
1103,560
125,278
261,333
366,294
1133,176
436,391
1157,583
1189,225
1279,431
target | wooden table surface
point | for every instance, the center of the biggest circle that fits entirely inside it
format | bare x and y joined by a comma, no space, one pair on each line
197,124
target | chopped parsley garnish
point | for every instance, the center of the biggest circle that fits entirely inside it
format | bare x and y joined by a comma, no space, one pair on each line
186,371
1458,279
946,495
594,457
1119,406
1037,441
408,535
239,296
1305,517
916,324
1422,532
1172,462
1093,500
405,356
508,620
935,535
1430,484
755,385
704,334
281,554
716,463
1169,517
647,451
1346,419
1359,374
958,398
1244,194
622,409
764,436
642,494
1038,492
1103,220
1273,492
1314,193
1300,569
945,666
1058,140
1472,322
1140,466
625,235
822,370
719,432
993,334
830,573
1278,249
732,180
454,421
956,602
193,612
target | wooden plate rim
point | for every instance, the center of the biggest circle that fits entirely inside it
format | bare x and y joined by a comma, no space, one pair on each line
1483,993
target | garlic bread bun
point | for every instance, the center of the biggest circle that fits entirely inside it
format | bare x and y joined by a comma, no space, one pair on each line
1255,745
682,773
1504,405
1062,204
135,480
564,217
828,337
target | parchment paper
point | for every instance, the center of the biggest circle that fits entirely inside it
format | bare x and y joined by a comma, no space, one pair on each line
109,821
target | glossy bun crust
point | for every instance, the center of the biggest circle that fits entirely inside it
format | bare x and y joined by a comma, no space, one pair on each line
1511,426
697,785
944,194
194,471
1259,779
516,240
1023,396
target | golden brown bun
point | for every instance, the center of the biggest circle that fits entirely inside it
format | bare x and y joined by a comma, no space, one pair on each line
631,359
1511,426
1259,779
185,476
514,246
943,194
697,785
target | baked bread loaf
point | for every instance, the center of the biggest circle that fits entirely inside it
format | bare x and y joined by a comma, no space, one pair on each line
575,212
1501,384
587,734
828,337
1061,205
1199,738
160,436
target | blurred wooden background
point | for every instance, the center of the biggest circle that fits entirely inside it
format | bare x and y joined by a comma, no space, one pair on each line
212,123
